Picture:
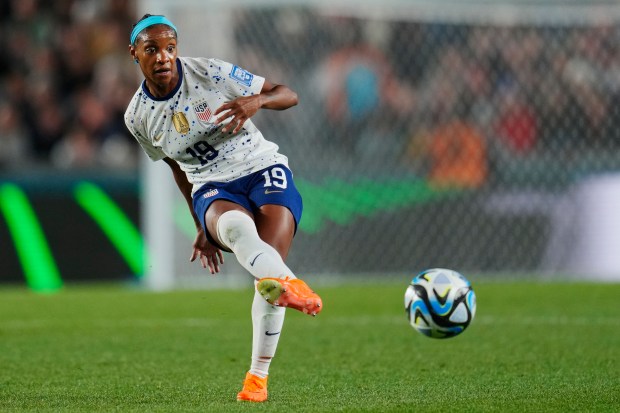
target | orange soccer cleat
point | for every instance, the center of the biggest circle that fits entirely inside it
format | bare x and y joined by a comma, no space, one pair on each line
286,292
254,389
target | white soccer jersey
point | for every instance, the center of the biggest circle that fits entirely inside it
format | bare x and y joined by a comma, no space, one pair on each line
181,125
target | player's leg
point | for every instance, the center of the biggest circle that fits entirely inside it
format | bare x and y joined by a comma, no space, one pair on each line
276,226
267,322
233,227
279,209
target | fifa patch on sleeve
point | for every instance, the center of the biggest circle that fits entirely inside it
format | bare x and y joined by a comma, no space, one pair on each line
242,76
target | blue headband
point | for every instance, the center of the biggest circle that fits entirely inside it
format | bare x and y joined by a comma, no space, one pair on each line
149,21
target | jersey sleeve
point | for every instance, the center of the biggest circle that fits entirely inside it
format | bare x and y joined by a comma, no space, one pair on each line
135,127
238,81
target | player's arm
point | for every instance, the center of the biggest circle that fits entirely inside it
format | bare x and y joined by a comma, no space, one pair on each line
277,97
272,96
210,256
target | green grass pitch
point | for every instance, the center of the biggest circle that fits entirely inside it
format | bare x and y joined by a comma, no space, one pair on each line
533,347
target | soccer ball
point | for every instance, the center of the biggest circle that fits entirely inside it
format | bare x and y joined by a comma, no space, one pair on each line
440,303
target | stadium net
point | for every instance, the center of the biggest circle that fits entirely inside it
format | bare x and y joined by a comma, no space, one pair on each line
480,136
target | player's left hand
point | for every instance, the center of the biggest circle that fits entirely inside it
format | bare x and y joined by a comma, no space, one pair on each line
209,255
238,111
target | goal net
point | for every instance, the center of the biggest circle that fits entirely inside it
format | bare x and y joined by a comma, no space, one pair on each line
481,136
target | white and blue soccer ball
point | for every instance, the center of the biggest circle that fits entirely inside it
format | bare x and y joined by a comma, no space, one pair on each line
440,303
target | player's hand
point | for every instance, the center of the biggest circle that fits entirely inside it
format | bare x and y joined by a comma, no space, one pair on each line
238,111
209,255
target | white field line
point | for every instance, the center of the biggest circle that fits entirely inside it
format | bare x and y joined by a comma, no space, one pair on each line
542,320
550,320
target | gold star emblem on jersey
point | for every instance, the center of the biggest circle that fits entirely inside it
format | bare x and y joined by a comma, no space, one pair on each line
180,123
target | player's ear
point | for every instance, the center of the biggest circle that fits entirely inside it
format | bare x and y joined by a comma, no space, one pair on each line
132,52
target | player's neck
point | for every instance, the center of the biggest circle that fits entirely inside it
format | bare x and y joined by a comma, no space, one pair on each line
160,90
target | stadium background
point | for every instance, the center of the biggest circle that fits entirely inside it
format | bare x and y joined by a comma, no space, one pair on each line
475,135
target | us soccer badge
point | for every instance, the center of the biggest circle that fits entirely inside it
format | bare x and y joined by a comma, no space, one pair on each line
203,112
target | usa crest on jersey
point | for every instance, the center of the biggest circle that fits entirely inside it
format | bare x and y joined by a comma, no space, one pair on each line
203,111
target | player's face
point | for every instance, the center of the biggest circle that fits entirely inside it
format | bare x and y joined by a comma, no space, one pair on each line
156,52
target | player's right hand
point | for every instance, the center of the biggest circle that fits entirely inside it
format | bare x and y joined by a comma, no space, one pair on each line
209,255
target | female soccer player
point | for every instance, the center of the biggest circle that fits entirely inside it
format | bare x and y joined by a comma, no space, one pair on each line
194,113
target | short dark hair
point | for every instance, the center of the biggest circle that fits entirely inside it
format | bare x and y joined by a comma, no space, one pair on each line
146,16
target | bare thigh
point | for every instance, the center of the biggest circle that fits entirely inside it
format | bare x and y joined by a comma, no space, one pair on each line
276,226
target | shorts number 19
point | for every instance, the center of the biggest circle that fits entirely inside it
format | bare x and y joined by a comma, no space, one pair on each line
275,177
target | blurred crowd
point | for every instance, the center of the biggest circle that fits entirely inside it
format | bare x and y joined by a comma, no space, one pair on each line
65,80
452,101
517,93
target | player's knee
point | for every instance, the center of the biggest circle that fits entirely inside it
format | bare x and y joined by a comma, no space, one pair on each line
232,226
